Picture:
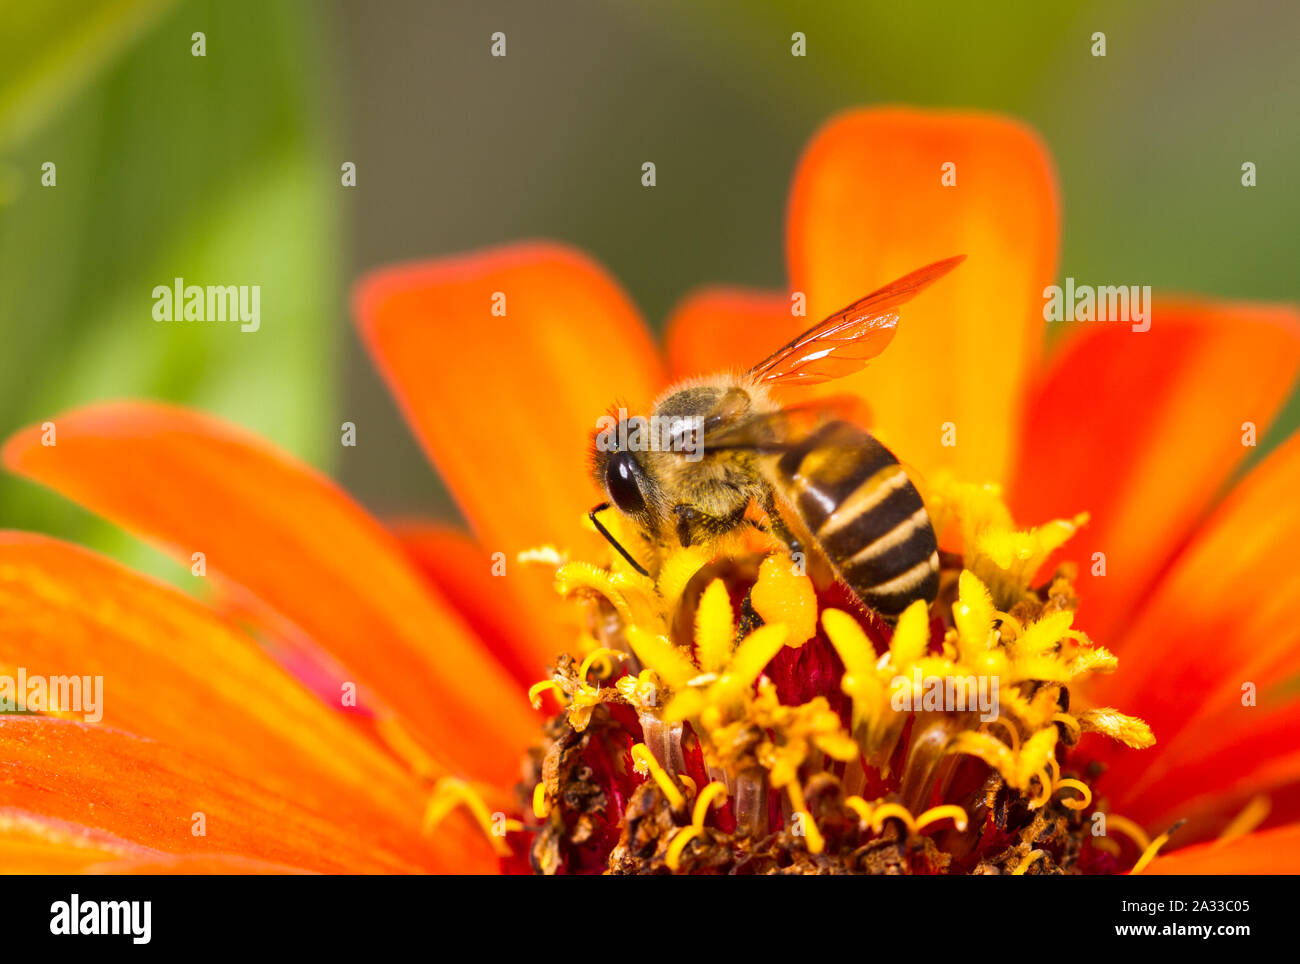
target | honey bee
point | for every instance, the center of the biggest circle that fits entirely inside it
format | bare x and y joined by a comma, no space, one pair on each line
817,476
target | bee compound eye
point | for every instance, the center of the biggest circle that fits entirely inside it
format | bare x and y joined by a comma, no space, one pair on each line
621,483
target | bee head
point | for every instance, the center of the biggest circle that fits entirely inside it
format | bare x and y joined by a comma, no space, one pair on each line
616,469
622,483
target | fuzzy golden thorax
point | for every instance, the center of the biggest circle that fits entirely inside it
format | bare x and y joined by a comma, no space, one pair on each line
657,472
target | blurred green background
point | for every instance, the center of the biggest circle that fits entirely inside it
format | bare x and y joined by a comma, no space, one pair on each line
225,169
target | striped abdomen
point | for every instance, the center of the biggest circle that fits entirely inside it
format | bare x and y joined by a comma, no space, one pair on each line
865,514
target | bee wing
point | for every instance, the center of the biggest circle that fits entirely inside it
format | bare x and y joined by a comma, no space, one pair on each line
845,341
779,430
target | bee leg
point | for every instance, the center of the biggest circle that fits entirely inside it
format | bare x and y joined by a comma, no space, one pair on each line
688,520
778,526
694,526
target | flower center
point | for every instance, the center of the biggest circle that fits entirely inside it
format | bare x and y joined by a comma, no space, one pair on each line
734,714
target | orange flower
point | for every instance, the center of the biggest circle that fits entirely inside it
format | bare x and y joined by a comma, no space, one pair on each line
205,728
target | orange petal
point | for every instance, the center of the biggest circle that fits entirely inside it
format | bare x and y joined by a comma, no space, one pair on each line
32,844
192,865
1210,764
298,543
727,329
461,569
171,672
153,795
868,205
1142,430
1275,851
506,406
1223,616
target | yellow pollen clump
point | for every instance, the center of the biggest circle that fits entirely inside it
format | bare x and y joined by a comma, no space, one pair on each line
783,594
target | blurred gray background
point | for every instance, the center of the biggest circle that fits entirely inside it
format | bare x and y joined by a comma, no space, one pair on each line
229,168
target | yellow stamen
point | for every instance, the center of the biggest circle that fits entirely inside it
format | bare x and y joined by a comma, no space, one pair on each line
1118,726
747,663
861,808
685,705
1034,754
537,689
1012,732
622,589
604,654
1096,659
972,613
715,628
678,570
850,642
706,798
1045,790
911,636
659,654
642,690
1070,722
1028,862
673,857
1081,803
1149,854
1129,829
1251,816
813,837
947,811
898,812
400,741
646,763
541,806
1044,635
1009,620
913,824
1018,767
452,792
999,626
989,749
1106,845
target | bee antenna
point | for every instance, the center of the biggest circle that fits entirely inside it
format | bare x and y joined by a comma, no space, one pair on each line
612,541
